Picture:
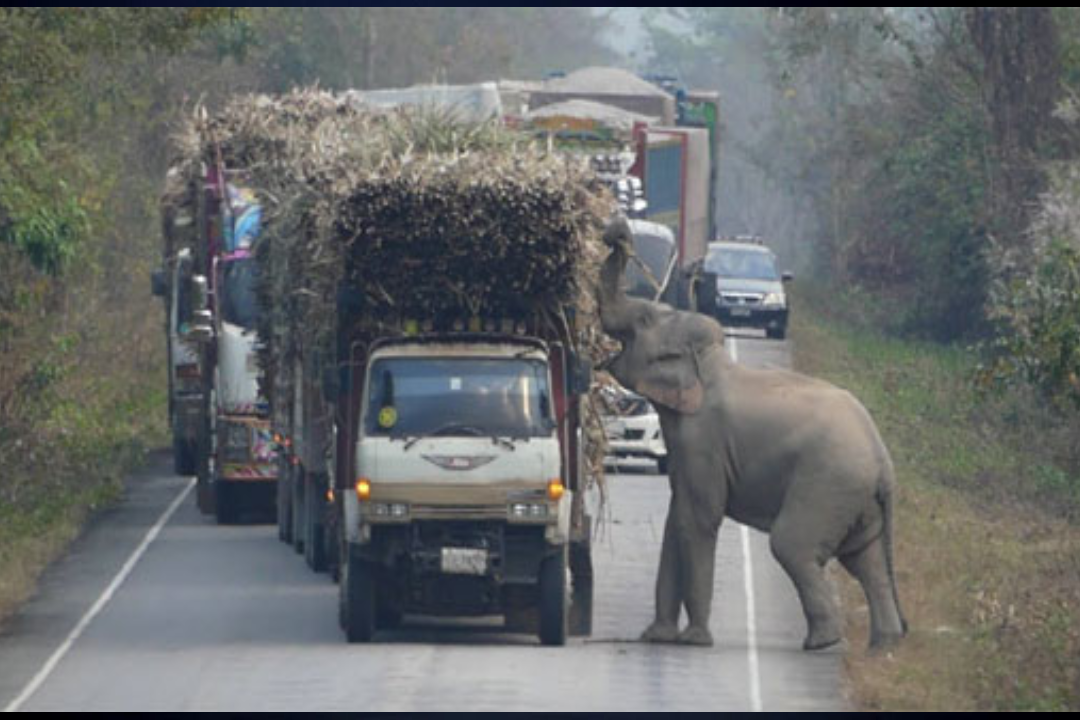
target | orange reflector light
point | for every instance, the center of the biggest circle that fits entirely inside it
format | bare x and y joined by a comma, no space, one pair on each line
363,489
330,495
555,489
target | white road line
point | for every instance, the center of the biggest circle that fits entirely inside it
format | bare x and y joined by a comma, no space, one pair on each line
50,665
748,584
751,623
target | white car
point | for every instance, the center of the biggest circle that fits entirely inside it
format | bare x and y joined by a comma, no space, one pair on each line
634,431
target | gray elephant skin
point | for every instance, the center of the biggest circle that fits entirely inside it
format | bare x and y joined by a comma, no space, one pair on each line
792,456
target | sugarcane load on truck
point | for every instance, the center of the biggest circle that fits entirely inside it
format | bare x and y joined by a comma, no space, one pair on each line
426,331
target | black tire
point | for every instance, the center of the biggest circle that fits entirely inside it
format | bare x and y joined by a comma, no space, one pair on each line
184,455
284,504
776,334
225,503
297,516
662,465
581,597
357,598
554,615
204,467
315,524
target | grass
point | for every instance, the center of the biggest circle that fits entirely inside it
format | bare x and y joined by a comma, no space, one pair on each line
73,465
987,545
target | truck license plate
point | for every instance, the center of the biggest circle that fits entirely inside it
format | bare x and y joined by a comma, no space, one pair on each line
464,561
740,312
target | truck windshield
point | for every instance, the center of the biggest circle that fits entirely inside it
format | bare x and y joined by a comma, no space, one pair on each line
495,397
743,264
238,304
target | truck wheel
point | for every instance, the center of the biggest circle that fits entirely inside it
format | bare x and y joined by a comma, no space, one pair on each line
581,595
662,465
357,598
553,605
284,504
224,503
297,516
184,454
315,524
776,334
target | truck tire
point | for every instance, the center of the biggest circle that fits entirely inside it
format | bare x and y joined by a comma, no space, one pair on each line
581,595
662,465
297,516
184,454
225,503
315,524
284,504
553,603
357,598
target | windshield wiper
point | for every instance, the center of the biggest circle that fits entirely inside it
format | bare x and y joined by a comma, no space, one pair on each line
506,442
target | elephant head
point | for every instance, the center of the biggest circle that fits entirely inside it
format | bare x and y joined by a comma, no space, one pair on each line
662,348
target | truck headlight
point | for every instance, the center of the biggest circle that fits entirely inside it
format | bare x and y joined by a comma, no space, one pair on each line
774,299
389,511
528,511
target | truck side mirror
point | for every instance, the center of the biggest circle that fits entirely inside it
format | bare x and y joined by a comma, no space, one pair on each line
158,285
787,276
581,374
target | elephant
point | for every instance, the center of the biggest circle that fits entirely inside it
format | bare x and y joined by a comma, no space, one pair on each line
781,452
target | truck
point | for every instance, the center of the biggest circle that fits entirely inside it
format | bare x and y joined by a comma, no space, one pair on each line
210,227
656,135
425,339
185,407
469,497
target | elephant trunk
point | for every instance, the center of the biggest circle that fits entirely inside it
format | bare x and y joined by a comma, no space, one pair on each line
615,315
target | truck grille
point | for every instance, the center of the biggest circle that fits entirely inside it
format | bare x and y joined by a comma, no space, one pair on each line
483,512
634,434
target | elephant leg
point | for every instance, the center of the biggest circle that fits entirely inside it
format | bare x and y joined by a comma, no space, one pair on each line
669,587
870,567
699,553
801,550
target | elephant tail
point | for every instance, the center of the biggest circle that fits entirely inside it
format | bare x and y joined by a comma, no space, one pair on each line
885,500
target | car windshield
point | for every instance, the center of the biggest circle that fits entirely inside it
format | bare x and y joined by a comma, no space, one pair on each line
495,397
238,303
743,264
656,252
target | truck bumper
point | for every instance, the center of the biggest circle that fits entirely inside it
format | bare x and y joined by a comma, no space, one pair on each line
453,568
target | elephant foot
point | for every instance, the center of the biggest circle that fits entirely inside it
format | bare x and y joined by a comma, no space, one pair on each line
884,642
660,632
820,641
696,635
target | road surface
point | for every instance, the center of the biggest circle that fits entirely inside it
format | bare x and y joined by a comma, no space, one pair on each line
157,608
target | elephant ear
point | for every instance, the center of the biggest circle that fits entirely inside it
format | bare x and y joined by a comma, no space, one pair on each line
672,380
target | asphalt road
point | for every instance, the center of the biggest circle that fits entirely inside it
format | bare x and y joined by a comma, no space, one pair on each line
157,608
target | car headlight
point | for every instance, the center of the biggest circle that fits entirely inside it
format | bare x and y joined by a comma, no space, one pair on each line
774,299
